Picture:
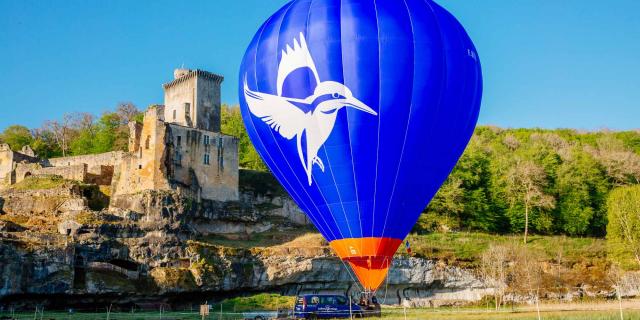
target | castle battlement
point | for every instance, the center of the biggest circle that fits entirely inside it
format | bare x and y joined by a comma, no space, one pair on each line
182,75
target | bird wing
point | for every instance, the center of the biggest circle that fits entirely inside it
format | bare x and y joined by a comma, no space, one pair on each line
280,114
295,58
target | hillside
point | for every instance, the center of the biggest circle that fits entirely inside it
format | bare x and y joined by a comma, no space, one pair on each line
572,171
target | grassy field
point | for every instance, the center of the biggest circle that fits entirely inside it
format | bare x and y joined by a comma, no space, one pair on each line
412,314
465,248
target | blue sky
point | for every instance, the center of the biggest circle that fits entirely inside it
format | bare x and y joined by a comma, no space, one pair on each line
546,63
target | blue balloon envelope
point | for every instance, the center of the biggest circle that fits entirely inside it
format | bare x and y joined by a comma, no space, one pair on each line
361,109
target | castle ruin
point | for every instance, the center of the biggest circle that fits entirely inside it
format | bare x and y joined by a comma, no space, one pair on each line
178,147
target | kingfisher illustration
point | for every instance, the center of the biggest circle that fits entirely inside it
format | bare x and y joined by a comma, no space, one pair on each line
312,118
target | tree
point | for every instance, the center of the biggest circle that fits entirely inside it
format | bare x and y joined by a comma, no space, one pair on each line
494,266
623,230
474,173
622,165
444,210
525,273
111,133
83,139
232,124
44,144
525,183
17,137
61,131
582,187
127,112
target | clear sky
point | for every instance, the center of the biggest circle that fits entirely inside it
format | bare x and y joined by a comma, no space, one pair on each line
546,63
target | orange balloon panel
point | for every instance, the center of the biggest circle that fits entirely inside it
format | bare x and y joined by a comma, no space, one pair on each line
369,258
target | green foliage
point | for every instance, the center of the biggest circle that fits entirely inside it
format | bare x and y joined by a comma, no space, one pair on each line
76,133
109,133
561,176
232,125
582,188
17,137
44,145
260,182
559,179
623,230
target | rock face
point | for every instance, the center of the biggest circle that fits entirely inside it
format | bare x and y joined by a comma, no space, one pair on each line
158,245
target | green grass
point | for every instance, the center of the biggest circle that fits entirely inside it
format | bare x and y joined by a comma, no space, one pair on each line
412,314
263,301
483,315
466,248
42,182
247,241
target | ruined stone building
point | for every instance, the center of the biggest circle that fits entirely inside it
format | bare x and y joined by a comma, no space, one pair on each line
178,147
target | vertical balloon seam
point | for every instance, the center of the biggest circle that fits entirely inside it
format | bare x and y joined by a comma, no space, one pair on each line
328,208
280,149
465,82
353,169
335,184
461,35
320,191
306,31
301,202
353,166
355,183
406,132
444,79
344,264
351,153
477,93
273,137
375,184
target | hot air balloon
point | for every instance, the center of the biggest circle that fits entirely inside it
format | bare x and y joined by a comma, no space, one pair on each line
361,109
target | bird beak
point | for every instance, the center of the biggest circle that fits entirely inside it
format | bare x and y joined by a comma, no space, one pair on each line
355,103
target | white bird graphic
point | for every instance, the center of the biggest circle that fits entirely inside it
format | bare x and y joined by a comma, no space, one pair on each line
285,116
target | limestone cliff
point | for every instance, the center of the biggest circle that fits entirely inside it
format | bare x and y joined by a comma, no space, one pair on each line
60,244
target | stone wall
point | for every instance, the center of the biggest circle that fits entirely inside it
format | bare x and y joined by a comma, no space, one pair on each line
144,168
94,162
6,165
172,157
179,96
76,172
192,99
208,103
24,170
206,163
8,162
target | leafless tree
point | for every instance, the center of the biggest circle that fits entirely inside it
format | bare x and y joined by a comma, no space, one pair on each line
81,121
61,131
511,142
616,277
494,270
526,273
622,165
127,111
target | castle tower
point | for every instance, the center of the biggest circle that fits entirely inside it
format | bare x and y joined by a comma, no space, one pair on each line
192,99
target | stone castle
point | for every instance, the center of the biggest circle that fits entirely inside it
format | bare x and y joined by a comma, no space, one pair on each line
178,147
